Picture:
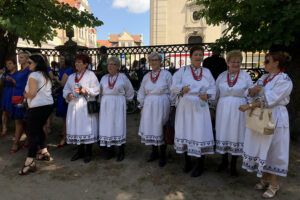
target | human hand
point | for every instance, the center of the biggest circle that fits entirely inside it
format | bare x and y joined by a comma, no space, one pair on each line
203,97
70,96
244,108
83,91
255,90
10,79
186,89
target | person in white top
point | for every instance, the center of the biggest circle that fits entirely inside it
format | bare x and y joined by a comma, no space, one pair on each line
268,155
40,103
154,97
194,85
116,89
82,127
232,89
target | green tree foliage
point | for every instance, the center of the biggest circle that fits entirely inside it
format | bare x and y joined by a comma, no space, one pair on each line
254,25
260,25
36,21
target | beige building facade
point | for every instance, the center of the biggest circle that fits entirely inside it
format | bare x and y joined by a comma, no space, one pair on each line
175,22
82,36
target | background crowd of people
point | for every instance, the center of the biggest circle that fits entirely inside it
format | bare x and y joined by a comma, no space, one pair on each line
205,96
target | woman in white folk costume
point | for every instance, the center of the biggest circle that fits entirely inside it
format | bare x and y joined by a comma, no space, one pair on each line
82,127
154,97
194,85
115,90
268,155
232,89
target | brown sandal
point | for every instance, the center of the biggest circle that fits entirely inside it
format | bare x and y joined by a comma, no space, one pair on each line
31,168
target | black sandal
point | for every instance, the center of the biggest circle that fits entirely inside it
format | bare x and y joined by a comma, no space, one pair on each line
44,156
31,168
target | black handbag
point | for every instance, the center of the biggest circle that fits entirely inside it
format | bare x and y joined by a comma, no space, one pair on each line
93,106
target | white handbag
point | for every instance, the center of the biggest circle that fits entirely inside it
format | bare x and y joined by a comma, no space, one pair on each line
260,120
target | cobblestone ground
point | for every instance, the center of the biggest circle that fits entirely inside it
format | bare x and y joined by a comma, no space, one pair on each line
131,179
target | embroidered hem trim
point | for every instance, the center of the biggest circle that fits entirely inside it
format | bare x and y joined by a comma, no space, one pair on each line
255,164
81,139
229,147
109,141
194,148
151,139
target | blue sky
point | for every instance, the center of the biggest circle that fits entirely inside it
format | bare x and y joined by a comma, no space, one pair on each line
122,15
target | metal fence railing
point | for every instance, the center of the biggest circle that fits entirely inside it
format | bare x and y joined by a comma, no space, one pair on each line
173,56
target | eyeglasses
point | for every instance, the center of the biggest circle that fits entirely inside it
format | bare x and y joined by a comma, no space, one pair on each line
237,63
154,60
112,64
267,62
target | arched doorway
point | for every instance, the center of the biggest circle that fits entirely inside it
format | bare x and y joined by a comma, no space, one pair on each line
194,40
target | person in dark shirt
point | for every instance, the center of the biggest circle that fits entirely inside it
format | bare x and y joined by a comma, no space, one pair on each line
102,66
215,64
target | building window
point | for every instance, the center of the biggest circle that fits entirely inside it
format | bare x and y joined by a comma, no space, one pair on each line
194,40
196,17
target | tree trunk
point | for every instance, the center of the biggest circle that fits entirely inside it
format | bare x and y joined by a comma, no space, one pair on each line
293,70
8,45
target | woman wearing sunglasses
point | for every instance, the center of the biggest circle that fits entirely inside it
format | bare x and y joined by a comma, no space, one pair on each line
268,155
40,103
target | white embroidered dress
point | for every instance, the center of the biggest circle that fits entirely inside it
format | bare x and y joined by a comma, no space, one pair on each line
82,128
230,122
270,153
112,115
193,128
155,99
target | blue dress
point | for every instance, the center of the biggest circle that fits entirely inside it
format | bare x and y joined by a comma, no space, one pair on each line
62,106
6,103
21,81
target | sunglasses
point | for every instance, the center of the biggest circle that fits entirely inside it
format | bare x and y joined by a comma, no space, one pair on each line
267,62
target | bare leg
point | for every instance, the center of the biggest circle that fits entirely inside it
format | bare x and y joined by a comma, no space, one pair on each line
4,123
272,188
18,134
63,140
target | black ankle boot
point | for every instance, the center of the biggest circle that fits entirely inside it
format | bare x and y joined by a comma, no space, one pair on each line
224,163
121,153
154,154
162,156
199,167
79,153
187,164
110,153
233,171
88,153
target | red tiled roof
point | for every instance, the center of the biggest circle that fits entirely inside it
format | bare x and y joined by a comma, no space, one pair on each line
137,38
115,38
72,3
104,43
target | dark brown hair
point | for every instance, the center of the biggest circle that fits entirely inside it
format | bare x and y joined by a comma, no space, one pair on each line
196,48
282,57
84,58
13,60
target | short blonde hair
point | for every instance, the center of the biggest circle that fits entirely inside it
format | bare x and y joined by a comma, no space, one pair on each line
234,54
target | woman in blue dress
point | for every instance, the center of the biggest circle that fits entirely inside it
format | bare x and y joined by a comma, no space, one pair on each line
8,79
61,106
19,112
